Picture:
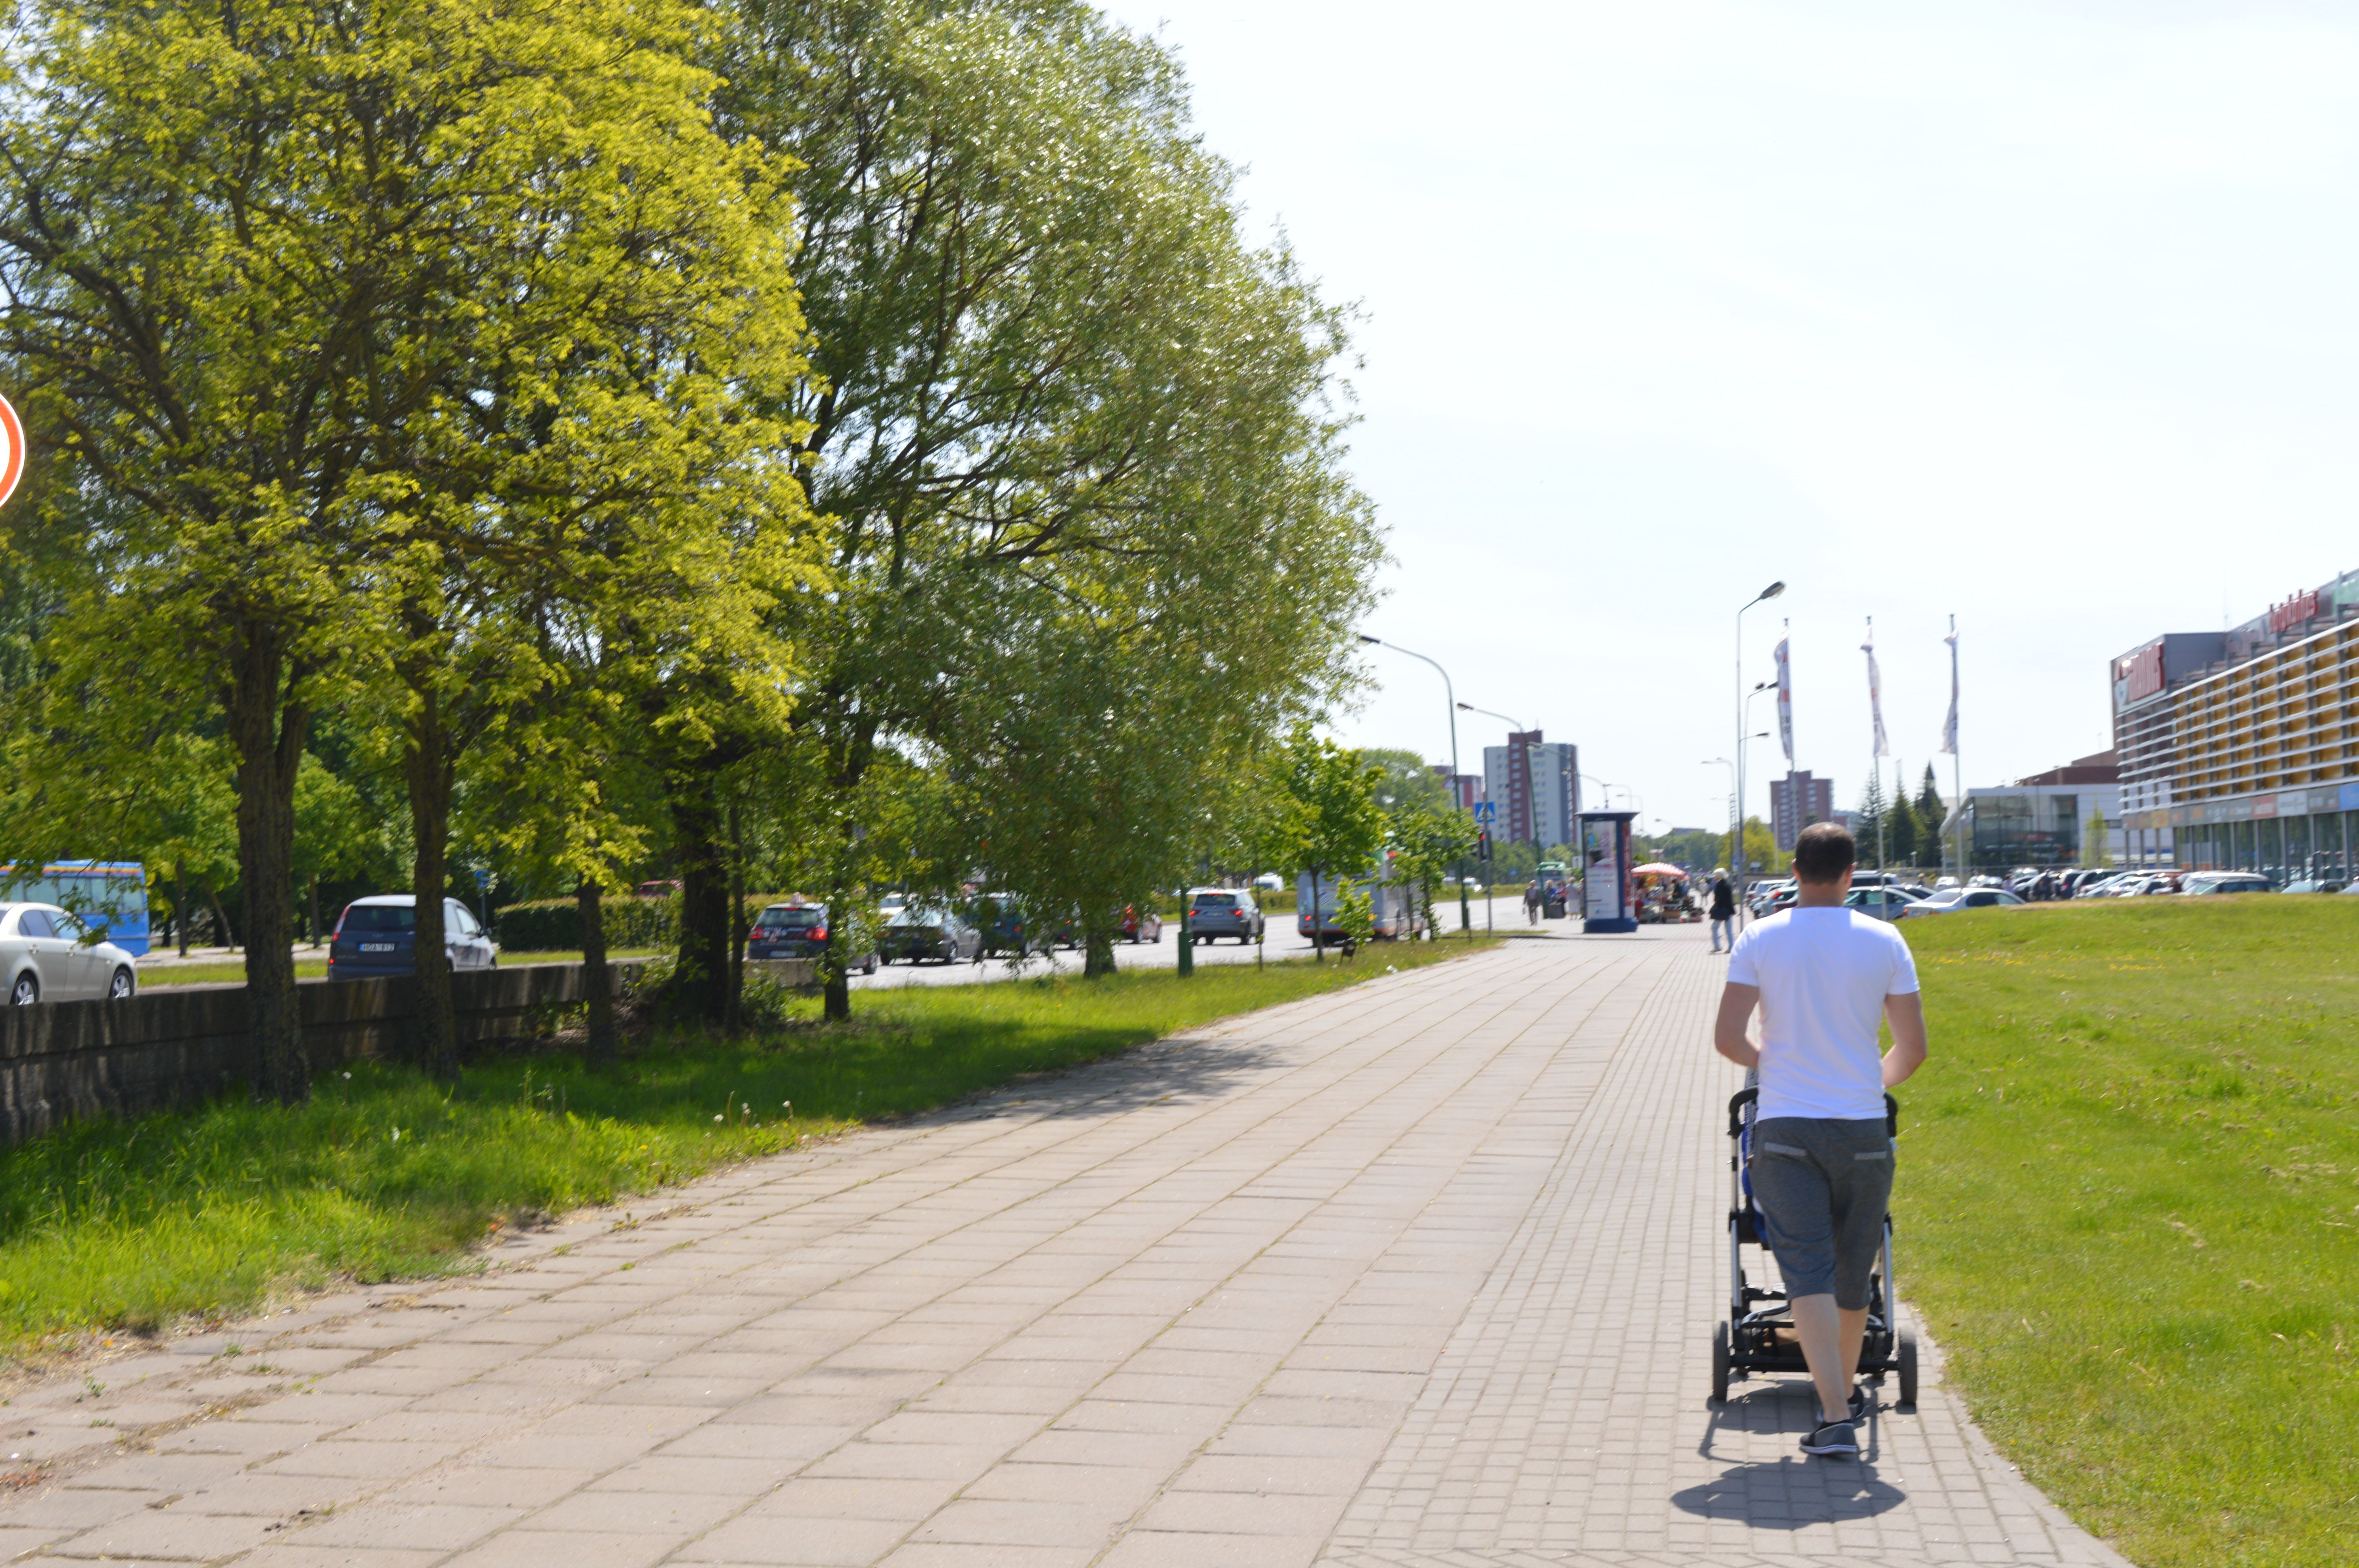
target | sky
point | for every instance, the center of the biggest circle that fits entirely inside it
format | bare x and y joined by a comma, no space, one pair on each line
2041,316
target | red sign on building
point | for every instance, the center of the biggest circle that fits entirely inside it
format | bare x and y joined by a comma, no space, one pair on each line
2301,607
2140,673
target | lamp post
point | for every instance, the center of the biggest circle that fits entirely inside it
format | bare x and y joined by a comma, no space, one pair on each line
1724,763
1514,726
1449,694
1737,845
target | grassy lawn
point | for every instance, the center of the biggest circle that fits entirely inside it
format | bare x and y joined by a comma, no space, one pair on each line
2130,1209
133,1225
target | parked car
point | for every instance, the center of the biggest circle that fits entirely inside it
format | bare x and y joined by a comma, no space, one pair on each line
1141,924
655,889
1393,914
2203,882
377,936
1269,881
1883,903
1967,898
921,931
1005,926
800,931
47,954
1224,912
2315,884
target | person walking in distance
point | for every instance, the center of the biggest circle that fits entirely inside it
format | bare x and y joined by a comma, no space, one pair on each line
1724,909
1532,897
1823,976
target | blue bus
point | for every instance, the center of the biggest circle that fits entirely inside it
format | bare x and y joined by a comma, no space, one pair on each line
111,896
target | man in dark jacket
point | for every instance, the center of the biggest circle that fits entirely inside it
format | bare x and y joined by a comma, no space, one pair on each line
1724,909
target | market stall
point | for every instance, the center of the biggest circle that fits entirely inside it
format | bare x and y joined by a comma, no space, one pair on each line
1663,894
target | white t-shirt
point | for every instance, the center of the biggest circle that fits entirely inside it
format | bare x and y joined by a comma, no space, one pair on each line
1823,974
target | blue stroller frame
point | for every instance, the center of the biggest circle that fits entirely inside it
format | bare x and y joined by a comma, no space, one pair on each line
1757,1336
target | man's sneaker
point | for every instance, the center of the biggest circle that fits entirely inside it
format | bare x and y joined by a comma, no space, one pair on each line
1833,1440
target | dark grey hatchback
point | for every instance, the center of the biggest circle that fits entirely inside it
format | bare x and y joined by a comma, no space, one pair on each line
377,936
800,931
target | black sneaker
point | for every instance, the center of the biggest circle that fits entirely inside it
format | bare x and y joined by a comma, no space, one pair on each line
1832,1440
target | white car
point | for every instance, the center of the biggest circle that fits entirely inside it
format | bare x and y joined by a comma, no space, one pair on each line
49,955
1961,898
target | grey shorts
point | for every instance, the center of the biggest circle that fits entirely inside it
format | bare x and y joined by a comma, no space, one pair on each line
1823,1188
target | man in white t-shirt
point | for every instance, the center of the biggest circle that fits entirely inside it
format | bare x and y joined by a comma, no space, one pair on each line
1823,977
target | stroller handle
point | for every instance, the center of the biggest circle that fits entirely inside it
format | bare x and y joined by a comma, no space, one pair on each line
1743,1097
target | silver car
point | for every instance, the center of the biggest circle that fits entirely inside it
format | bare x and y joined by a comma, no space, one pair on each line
49,955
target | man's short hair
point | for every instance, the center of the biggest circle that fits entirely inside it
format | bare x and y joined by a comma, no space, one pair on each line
1824,852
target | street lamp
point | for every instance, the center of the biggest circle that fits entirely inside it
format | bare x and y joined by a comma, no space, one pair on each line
1724,763
1736,827
1465,912
1514,726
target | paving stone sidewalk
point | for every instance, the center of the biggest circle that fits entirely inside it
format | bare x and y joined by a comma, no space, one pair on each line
1419,1273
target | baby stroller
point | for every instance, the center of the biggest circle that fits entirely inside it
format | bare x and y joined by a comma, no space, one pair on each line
1757,1336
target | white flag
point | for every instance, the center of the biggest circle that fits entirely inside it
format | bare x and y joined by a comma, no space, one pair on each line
1785,701
1874,690
1950,725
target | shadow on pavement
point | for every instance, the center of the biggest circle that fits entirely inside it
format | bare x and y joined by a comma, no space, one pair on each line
1792,1493
1182,1069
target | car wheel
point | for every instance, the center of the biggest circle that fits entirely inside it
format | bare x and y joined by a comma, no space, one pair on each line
26,991
120,987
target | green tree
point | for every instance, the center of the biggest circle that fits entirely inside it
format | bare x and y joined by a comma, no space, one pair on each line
1931,812
2096,839
1332,828
334,835
1870,820
1062,398
1901,831
1429,835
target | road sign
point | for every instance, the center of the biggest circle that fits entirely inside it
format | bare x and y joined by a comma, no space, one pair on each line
1486,812
12,450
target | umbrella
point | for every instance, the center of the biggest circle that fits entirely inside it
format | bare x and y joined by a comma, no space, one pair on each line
1660,869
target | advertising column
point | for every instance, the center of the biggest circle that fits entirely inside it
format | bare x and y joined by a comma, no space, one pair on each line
1606,871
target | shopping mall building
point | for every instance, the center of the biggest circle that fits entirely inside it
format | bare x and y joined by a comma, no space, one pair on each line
2241,747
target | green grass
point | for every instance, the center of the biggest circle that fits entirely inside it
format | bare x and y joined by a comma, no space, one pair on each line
2129,1208
108,1224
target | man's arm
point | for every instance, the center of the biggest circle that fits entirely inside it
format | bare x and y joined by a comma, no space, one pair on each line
1736,1005
1906,1013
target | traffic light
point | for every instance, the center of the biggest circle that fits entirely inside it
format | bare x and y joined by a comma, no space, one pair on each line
1483,845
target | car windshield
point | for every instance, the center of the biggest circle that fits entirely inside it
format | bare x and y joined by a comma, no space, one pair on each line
917,914
795,919
380,917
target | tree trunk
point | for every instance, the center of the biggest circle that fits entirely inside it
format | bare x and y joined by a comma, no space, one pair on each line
835,965
267,728
699,982
181,905
596,985
425,769
732,1007
315,909
1097,945
223,937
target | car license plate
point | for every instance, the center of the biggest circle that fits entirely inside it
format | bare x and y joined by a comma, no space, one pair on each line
376,947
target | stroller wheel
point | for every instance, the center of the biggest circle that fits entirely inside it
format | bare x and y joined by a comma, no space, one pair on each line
1720,1365
1907,1372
